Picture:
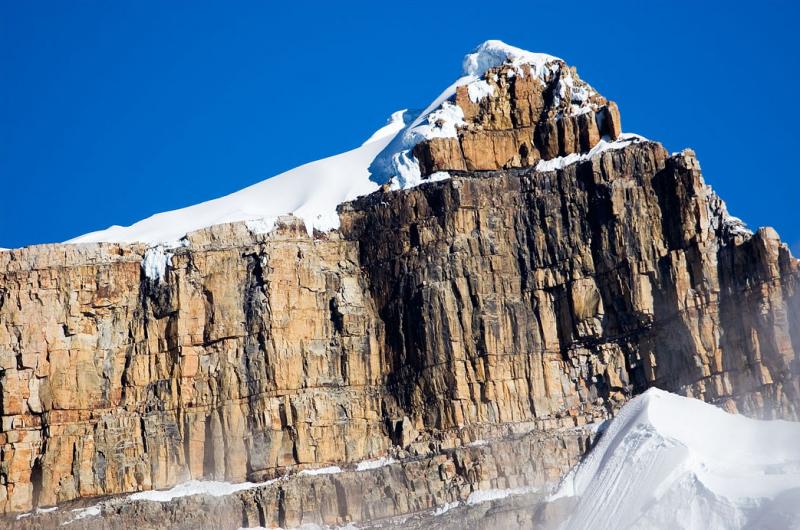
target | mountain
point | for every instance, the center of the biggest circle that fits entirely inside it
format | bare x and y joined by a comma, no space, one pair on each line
507,270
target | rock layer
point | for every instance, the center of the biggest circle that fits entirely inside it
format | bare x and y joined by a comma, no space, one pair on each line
526,294
522,463
526,118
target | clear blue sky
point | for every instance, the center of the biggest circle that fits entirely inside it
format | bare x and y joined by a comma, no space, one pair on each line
113,111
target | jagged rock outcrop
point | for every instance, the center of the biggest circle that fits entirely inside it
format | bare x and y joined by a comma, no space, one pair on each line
519,118
504,299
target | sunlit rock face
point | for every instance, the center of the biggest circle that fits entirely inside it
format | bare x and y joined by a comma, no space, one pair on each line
554,275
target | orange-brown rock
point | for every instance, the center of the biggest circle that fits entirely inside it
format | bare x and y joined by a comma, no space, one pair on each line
529,461
522,119
468,308
490,150
610,120
440,154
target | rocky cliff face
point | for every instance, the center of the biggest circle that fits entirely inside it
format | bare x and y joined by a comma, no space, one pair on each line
527,292
384,494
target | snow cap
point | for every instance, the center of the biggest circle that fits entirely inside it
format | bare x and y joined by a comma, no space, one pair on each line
493,53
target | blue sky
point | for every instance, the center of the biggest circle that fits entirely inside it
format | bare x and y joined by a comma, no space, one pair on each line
113,111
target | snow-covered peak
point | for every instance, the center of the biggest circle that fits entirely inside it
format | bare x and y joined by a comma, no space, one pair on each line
443,118
313,191
493,53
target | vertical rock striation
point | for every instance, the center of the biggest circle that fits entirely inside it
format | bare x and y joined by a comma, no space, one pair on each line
526,294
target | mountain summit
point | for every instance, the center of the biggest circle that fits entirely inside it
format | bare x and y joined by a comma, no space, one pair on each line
511,108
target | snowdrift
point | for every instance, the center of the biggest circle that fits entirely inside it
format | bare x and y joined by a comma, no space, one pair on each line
668,461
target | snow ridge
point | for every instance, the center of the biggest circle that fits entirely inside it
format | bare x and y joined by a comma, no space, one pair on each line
494,53
311,192
668,461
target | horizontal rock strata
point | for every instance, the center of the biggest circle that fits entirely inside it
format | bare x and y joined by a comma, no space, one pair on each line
529,462
526,119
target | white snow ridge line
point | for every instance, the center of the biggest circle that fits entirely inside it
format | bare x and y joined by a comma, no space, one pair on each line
668,461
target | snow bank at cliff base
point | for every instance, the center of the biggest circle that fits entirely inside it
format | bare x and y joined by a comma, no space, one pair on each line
668,462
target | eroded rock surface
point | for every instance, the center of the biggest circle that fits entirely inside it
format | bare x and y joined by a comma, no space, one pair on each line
521,464
521,118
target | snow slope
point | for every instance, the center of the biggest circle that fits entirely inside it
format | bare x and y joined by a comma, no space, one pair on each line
311,191
668,461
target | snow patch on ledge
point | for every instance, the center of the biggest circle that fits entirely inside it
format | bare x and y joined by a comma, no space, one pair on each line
444,508
329,470
196,487
82,513
260,226
91,511
605,144
37,511
479,496
736,226
306,526
723,222
438,176
375,464
479,90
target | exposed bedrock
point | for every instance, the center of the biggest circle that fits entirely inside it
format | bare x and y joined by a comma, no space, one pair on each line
527,463
529,294
526,118
436,316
